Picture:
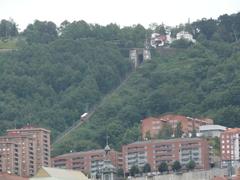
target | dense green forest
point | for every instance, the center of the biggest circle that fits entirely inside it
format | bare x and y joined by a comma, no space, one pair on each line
58,73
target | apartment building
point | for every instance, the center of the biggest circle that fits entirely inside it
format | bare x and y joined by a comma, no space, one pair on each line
153,125
24,151
154,152
88,161
230,146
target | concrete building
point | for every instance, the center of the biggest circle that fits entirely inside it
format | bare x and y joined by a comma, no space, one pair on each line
185,35
211,130
139,55
153,125
88,161
230,146
154,152
23,151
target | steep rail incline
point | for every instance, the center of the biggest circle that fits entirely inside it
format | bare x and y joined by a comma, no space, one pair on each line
81,121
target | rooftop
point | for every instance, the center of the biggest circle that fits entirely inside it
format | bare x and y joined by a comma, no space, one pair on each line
212,127
232,130
80,153
58,174
166,141
28,128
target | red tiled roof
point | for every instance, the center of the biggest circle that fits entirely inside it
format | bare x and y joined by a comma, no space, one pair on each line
232,130
6,176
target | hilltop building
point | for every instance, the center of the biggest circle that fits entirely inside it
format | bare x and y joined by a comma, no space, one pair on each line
23,151
185,35
154,124
154,152
88,162
160,40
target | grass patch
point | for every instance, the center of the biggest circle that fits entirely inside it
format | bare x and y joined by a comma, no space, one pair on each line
8,44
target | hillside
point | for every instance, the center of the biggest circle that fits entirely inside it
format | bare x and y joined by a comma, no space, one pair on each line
58,73
195,81
52,85
54,77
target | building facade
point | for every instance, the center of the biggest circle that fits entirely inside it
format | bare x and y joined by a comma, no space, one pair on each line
89,161
154,152
23,151
230,146
154,125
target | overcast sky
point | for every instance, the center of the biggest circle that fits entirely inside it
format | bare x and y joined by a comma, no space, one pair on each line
122,12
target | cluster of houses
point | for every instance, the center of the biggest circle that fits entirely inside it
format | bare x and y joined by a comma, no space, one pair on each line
159,40
139,55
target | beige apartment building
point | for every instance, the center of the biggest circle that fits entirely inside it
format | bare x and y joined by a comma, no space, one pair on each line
154,152
24,151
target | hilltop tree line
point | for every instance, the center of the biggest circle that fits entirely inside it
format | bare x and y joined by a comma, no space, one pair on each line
8,29
58,73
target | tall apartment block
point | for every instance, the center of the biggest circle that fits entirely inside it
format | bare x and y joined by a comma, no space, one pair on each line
154,124
230,146
24,151
88,161
154,152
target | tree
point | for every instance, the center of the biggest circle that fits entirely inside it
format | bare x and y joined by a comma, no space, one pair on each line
8,29
207,27
176,166
146,168
165,132
40,32
181,43
134,170
163,167
229,26
75,30
120,172
148,135
194,133
178,131
216,145
161,29
191,165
